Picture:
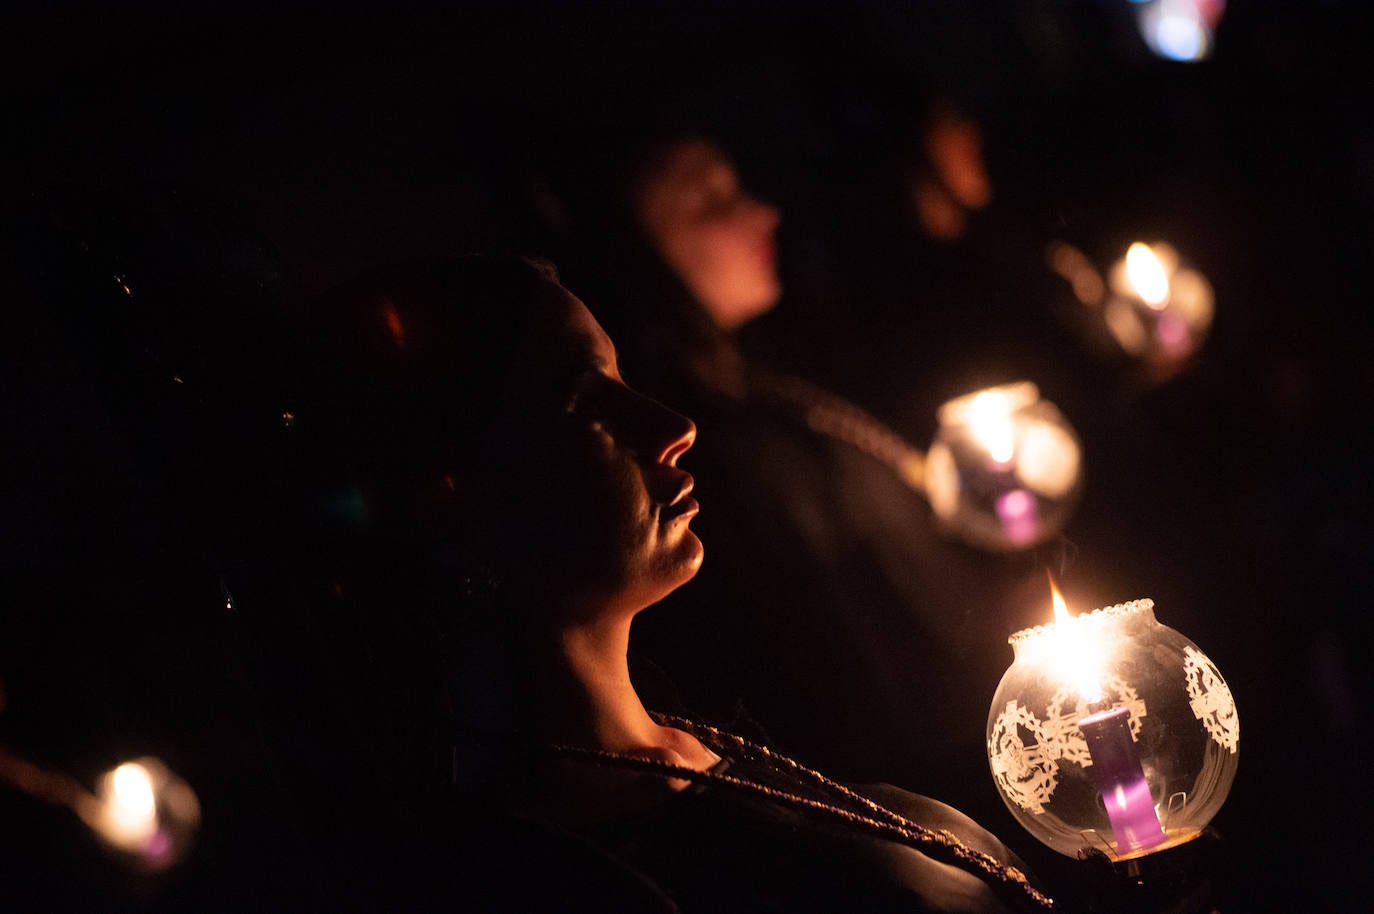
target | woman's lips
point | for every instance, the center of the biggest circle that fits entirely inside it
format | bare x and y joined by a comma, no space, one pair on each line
682,503
768,254
683,507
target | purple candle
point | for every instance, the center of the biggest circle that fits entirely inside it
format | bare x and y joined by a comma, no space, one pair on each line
1121,780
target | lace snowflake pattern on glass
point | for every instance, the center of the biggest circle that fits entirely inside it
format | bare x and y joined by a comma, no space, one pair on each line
1061,725
1210,699
1024,767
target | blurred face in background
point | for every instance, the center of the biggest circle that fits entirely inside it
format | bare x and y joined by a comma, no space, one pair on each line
715,236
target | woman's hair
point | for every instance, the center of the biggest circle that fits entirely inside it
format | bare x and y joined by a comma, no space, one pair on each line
355,599
391,378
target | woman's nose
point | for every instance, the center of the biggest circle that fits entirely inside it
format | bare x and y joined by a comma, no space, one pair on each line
682,440
667,435
765,215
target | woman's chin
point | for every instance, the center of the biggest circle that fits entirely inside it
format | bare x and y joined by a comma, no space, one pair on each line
682,567
697,555
742,299
687,561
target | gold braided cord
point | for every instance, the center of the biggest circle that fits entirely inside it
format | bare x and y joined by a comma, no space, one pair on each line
987,863
881,822
835,417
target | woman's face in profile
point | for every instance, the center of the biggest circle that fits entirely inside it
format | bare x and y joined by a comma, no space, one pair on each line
594,495
712,233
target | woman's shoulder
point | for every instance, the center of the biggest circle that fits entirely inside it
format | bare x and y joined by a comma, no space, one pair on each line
932,813
784,847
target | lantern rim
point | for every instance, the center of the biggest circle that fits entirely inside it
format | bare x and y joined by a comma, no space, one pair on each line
1097,616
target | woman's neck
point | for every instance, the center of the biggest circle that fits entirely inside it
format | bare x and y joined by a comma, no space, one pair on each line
574,689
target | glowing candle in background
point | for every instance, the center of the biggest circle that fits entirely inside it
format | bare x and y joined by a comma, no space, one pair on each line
1145,273
1003,471
144,809
1150,306
1179,30
1159,309
140,808
128,810
988,414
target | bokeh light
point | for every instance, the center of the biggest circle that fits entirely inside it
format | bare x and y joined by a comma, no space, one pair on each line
146,810
1179,30
1159,309
1003,471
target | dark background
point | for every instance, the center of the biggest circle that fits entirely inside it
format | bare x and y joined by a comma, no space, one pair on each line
209,158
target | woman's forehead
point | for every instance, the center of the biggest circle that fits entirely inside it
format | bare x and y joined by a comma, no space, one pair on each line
693,161
569,329
685,170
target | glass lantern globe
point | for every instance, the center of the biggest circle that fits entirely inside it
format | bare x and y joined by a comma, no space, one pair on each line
146,810
1003,471
1112,732
1157,309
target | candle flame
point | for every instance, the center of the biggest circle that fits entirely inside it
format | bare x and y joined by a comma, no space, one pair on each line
1147,276
1061,609
1076,654
129,814
133,789
990,419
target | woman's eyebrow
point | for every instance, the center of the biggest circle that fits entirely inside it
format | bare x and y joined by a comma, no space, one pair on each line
603,354
613,363
587,359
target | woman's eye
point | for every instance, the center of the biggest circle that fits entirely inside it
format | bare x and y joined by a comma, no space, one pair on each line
720,195
719,208
585,398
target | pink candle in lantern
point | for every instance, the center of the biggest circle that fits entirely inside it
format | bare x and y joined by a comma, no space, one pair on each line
1121,780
